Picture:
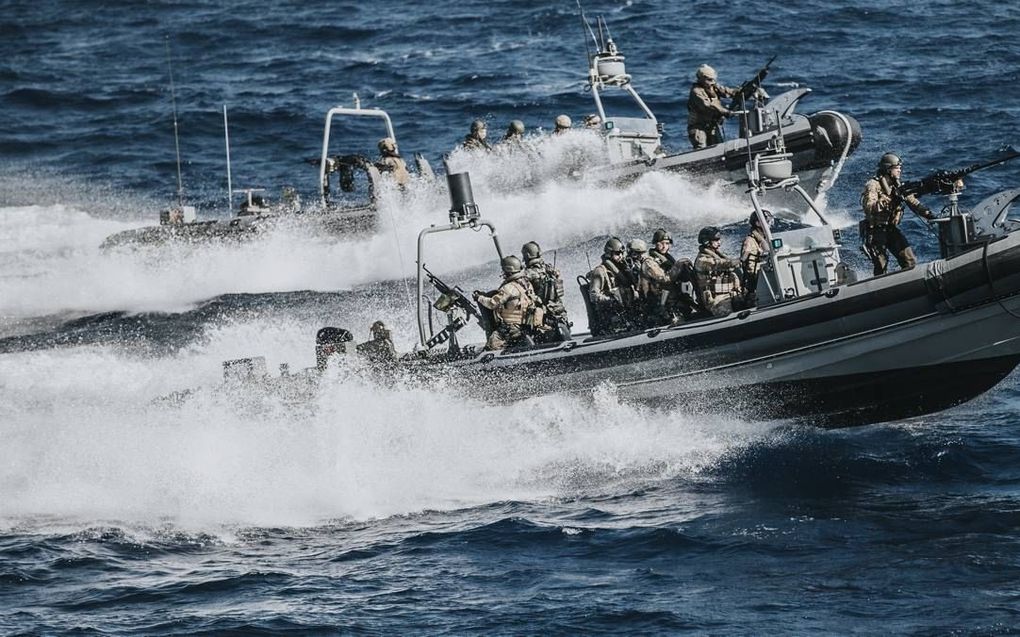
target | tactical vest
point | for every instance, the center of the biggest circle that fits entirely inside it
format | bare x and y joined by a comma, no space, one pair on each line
547,283
753,252
698,114
712,281
517,304
880,214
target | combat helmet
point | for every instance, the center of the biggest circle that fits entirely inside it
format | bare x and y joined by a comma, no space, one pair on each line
592,121
613,246
510,265
380,330
661,235
888,162
706,72
478,125
516,127
637,246
387,145
708,234
753,219
531,251
563,121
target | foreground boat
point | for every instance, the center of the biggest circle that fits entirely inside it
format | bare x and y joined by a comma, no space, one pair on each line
820,347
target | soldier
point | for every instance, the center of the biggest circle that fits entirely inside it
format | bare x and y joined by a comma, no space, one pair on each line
514,133
670,301
380,348
705,111
513,307
753,252
548,287
717,274
563,124
475,140
593,122
390,162
883,210
610,288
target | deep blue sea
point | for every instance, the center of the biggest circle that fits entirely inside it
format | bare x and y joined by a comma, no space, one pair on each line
401,510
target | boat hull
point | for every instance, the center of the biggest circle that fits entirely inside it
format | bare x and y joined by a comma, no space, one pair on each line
907,343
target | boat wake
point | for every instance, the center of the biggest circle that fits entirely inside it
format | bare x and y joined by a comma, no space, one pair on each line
53,265
87,444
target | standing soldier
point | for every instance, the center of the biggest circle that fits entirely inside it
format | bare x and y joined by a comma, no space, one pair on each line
717,274
883,210
705,111
390,162
475,140
548,287
753,252
512,306
610,288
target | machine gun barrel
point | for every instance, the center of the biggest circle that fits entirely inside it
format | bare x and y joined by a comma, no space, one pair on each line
747,89
942,181
454,293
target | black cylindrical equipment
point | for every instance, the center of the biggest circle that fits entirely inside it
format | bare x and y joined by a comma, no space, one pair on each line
462,200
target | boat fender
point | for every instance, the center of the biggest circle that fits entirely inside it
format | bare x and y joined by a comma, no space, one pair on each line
655,332
831,293
569,345
487,358
743,314
935,282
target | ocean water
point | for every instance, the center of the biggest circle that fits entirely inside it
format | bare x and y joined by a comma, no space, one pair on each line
404,510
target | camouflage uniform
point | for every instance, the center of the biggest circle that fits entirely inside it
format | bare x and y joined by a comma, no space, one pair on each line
717,280
511,305
547,284
612,293
753,251
391,163
394,165
883,210
705,113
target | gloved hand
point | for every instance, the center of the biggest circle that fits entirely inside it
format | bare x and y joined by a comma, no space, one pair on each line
476,294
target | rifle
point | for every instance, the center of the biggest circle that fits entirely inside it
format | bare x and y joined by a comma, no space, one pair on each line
941,181
748,88
451,296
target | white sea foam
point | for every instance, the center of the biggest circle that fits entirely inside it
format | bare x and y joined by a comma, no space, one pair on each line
84,443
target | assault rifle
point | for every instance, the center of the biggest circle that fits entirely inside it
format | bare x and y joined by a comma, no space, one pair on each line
451,296
942,182
750,87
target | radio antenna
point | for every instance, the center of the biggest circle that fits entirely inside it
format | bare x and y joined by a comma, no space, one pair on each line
226,142
177,143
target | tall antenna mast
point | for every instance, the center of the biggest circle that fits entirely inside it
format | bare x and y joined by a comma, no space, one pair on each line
226,142
177,143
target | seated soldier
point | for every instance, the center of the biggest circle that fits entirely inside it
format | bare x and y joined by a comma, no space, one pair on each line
548,287
611,289
717,274
512,306
475,140
753,253
380,348
664,278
